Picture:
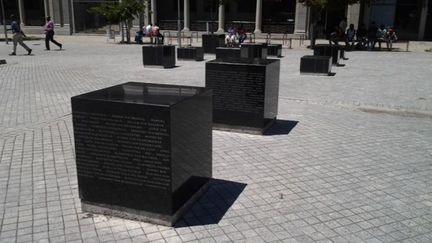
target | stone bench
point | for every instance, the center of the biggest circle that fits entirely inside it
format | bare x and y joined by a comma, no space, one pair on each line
211,41
316,65
190,53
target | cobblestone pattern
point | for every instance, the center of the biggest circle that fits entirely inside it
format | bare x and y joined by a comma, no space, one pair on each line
339,175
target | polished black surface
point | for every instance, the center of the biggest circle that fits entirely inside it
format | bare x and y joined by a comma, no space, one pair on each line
190,53
211,41
327,50
143,146
274,50
253,50
245,91
227,52
316,64
159,55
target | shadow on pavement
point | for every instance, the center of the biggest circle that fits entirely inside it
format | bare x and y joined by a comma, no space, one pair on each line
213,205
281,127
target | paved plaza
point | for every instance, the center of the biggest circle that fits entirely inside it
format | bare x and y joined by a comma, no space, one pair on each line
349,159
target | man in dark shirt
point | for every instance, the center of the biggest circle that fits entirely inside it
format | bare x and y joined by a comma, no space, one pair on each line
18,36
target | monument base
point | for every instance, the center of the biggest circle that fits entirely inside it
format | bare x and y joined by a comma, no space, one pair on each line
141,215
244,129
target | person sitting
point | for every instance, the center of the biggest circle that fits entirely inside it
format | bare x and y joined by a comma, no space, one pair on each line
159,38
231,37
361,37
242,34
371,35
350,35
381,35
391,37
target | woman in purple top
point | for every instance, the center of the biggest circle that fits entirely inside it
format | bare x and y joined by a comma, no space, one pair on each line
49,34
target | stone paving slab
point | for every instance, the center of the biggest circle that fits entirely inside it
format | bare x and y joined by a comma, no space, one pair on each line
349,160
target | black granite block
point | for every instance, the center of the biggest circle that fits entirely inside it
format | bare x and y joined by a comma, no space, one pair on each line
253,50
159,55
190,53
318,65
327,50
245,93
211,41
274,50
227,52
2,61
143,151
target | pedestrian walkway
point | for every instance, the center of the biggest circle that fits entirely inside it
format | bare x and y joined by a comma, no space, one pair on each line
349,160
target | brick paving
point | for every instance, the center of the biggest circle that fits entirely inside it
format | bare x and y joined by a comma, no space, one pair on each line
350,159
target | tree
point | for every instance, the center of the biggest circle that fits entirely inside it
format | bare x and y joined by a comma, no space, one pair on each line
120,12
317,6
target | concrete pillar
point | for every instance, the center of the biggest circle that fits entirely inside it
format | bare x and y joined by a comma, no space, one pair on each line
301,18
423,19
353,15
51,8
186,18
153,12
221,19
258,16
146,12
46,8
21,12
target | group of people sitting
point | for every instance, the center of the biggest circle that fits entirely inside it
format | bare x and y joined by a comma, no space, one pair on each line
235,37
152,31
362,38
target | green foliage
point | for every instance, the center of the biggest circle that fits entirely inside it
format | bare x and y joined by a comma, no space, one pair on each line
116,12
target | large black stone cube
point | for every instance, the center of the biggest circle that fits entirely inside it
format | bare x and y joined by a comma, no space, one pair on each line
245,93
190,53
159,56
327,50
317,65
143,151
274,50
253,50
227,52
211,41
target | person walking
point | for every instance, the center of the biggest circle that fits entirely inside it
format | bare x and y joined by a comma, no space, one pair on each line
17,37
49,34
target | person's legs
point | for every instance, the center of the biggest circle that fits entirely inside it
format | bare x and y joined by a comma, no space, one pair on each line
15,43
21,42
53,41
47,39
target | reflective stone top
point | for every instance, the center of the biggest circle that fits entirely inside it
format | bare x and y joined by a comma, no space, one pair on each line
245,61
144,93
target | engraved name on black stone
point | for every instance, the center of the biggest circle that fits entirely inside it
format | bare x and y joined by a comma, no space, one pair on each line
103,140
237,91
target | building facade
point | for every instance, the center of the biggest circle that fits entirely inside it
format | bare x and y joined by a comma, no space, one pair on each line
411,18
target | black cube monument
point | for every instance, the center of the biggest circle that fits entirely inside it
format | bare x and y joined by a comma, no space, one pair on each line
327,50
227,52
159,56
245,93
274,50
190,53
211,41
316,65
143,151
253,50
